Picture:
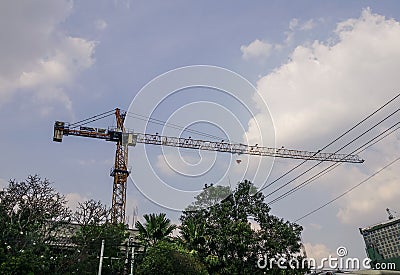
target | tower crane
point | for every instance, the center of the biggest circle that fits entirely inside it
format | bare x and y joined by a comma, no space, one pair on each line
124,138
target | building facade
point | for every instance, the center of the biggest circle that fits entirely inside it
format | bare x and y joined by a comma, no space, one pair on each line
382,241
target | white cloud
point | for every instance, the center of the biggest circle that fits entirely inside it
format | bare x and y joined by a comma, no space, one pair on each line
293,24
73,200
327,87
319,89
308,25
37,56
371,199
316,226
260,49
256,50
317,252
100,24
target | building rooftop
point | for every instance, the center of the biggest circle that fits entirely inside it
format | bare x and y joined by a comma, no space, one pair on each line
380,225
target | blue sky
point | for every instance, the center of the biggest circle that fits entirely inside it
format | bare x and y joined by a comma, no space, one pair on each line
320,66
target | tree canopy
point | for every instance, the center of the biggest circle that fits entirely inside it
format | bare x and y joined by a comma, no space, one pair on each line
170,258
232,235
222,232
210,196
31,215
156,228
39,234
94,220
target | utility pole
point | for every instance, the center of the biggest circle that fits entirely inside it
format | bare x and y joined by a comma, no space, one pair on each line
101,257
133,259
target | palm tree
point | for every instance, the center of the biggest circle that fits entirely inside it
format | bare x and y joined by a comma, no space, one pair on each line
192,234
157,227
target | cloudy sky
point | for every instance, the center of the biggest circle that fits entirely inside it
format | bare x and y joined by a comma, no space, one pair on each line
314,69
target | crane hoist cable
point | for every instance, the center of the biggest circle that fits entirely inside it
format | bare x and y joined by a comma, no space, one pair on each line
172,125
111,112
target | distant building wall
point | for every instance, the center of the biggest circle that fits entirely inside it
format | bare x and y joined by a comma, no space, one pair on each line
382,242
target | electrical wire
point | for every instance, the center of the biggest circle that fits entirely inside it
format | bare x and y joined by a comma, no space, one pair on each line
143,118
335,165
175,126
349,190
329,144
164,123
350,142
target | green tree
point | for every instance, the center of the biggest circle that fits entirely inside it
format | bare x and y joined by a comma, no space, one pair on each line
192,234
170,258
156,228
31,215
40,235
210,196
229,244
94,225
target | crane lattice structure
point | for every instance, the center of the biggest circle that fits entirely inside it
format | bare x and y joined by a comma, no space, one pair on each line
124,138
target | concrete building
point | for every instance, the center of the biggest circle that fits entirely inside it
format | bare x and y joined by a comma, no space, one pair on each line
382,242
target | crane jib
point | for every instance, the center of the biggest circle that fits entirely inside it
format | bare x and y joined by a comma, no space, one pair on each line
130,139
124,138
237,148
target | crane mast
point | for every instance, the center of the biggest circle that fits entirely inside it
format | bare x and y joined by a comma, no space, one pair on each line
120,170
124,138
120,174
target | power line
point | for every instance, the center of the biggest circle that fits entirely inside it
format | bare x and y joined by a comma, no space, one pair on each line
172,125
326,146
353,140
335,165
349,190
175,126
329,169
